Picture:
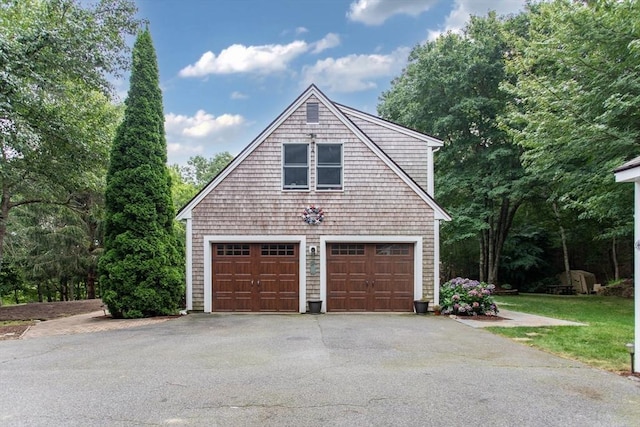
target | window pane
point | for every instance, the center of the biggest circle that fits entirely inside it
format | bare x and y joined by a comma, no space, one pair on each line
329,167
295,154
232,250
347,249
278,250
329,177
329,154
393,249
296,177
295,168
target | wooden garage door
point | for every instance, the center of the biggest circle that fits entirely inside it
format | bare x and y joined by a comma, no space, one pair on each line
370,277
255,277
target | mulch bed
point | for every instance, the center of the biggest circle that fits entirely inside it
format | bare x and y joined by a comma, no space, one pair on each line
48,310
22,316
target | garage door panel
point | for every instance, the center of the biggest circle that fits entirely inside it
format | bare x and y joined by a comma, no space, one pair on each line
370,277
347,302
255,277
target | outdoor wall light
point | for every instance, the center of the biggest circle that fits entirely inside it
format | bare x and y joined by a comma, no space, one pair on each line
631,349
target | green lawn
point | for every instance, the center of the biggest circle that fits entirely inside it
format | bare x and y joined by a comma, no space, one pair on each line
601,344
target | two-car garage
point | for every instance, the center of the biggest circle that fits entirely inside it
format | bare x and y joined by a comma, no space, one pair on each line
357,276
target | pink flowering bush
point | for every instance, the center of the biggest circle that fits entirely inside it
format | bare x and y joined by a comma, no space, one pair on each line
466,297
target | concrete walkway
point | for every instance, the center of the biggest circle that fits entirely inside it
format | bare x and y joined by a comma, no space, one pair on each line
514,319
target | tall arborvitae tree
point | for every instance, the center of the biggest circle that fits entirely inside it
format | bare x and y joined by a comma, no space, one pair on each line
141,271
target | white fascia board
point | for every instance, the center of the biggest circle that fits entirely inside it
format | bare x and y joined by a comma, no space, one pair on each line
431,141
628,175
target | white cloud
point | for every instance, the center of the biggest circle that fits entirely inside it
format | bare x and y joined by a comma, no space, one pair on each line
301,30
238,95
201,125
463,9
375,12
355,73
329,41
188,136
237,58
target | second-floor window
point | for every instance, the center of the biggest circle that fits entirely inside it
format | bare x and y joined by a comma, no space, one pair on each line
329,167
295,166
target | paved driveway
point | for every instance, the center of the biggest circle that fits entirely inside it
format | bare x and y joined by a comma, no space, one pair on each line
303,370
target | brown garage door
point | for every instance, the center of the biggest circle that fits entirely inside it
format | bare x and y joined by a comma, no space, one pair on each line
370,277
255,277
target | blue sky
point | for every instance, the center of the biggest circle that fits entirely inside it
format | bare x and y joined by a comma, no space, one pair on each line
229,67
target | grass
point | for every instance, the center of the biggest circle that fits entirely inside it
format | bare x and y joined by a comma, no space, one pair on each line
600,344
15,322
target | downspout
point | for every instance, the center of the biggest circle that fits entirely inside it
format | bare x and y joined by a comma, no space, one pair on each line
436,228
189,264
436,262
430,177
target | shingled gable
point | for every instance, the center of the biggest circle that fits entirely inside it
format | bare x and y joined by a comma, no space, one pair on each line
339,112
431,141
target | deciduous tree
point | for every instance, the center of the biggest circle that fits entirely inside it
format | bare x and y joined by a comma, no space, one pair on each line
578,111
56,58
451,89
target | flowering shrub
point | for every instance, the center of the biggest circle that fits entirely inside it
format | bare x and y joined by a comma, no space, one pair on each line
467,297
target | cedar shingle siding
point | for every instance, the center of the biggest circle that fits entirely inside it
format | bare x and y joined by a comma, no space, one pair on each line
374,199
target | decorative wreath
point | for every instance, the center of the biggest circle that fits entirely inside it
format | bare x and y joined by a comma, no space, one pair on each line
312,215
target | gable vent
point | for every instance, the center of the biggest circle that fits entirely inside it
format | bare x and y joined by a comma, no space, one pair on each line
313,115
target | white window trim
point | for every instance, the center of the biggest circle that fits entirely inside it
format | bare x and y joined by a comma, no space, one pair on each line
341,167
302,253
417,258
308,167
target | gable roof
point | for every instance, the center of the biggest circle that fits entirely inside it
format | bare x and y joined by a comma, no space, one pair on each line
439,212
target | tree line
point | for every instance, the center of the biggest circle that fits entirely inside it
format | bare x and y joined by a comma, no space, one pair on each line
58,121
536,111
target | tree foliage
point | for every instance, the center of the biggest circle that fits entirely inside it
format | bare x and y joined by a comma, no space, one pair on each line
141,270
200,170
56,58
451,89
188,180
578,111
536,111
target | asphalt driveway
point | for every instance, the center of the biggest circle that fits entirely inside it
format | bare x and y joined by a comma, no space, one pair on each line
303,370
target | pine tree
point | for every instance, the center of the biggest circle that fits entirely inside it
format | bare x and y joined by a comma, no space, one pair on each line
141,271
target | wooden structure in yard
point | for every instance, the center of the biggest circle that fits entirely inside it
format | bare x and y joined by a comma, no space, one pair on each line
630,172
328,203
